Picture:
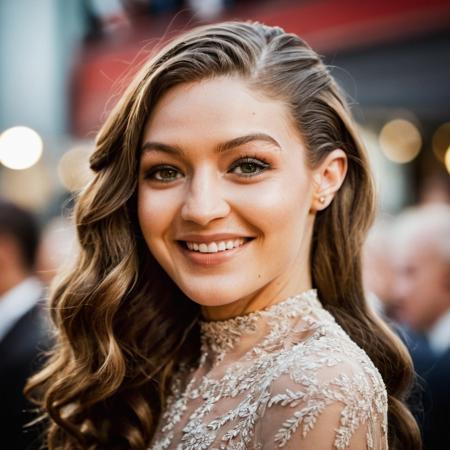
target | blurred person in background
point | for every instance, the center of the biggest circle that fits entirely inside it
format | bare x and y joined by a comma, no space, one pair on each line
23,329
379,284
57,244
435,189
422,269
378,275
421,261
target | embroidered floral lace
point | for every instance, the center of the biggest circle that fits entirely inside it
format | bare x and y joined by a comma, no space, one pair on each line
286,377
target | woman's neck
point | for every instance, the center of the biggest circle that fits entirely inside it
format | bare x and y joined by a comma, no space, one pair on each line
267,296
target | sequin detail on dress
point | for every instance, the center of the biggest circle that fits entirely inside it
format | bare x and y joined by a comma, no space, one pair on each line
285,377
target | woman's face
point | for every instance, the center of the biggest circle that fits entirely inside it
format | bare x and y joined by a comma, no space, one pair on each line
224,196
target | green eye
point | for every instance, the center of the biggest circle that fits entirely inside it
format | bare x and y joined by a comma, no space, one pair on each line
248,167
164,174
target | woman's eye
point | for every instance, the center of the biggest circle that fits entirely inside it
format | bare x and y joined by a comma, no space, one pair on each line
163,174
248,167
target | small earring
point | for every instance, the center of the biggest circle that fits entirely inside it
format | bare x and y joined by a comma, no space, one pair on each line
322,199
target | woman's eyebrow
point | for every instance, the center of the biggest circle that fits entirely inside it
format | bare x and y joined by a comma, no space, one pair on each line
220,148
242,140
160,147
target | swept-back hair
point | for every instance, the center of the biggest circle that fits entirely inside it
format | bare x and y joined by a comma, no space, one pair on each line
122,325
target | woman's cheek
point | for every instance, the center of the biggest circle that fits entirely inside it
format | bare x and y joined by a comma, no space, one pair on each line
156,209
273,202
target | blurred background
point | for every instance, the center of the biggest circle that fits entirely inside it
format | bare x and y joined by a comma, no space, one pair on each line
64,64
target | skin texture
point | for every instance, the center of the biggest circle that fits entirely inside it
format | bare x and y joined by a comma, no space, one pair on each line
192,185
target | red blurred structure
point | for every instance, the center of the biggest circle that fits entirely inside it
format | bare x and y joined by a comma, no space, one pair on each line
329,26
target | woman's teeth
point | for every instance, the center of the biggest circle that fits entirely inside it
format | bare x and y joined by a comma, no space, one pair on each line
214,247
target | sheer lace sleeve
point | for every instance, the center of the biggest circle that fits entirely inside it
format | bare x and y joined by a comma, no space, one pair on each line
336,407
323,435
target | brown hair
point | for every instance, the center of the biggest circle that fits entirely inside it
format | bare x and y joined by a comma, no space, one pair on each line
123,326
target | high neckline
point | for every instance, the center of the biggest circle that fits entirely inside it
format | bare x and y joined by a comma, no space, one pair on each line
221,336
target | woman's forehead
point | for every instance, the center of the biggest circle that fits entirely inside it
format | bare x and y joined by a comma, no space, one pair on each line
222,108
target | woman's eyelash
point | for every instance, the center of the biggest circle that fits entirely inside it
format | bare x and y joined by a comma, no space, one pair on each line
245,166
163,173
249,166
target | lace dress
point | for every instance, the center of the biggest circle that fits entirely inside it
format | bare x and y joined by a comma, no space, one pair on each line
285,377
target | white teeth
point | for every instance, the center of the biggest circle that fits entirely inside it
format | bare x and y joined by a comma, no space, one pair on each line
214,247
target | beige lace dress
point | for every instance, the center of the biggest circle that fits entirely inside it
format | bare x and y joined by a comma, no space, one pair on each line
285,377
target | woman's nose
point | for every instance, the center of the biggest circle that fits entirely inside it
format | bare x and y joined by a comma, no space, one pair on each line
204,201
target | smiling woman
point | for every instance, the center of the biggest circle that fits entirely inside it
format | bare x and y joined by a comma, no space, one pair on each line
229,173
216,302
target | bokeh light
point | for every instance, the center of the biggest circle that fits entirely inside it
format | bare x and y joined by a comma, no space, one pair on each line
400,140
73,168
441,141
20,148
447,159
31,188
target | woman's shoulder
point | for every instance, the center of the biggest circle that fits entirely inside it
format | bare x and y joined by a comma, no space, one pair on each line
316,343
328,356
327,385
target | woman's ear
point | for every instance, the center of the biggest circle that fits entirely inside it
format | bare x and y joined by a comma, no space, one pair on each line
328,178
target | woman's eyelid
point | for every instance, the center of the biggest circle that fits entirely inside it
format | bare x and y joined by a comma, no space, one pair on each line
151,164
251,159
156,158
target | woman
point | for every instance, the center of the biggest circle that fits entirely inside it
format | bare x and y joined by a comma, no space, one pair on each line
229,183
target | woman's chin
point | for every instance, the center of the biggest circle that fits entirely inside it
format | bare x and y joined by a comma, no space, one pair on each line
211,297
212,301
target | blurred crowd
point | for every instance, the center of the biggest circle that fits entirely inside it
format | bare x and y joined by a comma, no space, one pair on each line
29,259
406,264
407,276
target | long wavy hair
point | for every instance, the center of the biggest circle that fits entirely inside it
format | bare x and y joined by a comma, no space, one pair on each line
122,325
